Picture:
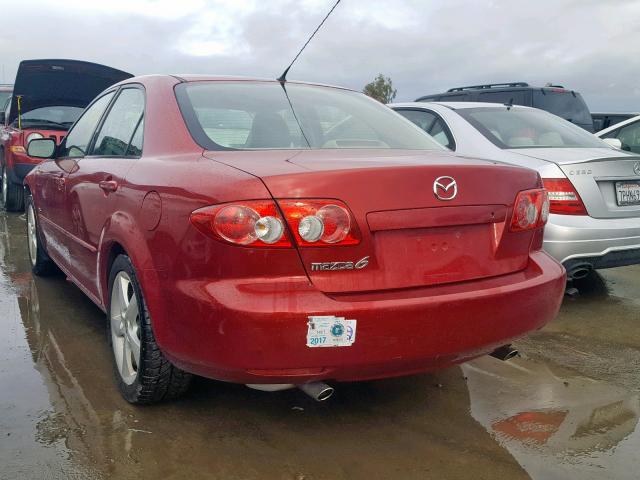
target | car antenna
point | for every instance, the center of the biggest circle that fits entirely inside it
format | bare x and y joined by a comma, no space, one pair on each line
283,78
509,104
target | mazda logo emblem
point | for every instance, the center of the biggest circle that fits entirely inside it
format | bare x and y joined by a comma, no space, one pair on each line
636,168
445,188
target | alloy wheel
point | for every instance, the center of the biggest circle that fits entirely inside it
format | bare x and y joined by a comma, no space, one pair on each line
125,327
5,185
32,235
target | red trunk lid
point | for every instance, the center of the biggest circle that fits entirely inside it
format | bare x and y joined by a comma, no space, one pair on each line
412,238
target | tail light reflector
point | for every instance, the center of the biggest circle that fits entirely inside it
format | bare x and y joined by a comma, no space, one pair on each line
259,223
255,223
563,197
320,223
530,210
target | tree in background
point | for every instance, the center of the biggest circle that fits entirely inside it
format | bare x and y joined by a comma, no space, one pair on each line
381,89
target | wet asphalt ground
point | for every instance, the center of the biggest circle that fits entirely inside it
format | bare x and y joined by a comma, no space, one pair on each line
567,409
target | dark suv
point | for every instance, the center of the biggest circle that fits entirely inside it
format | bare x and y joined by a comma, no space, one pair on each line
552,98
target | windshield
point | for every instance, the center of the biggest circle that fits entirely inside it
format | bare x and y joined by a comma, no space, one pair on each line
52,118
3,97
260,115
527,128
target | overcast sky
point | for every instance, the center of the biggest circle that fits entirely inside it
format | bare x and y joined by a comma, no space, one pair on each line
425,46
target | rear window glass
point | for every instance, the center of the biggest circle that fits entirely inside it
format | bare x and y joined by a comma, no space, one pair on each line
527,128
516,97
263,115
459,97
565,104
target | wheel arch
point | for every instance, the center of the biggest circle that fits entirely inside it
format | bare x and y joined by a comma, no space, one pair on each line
121,236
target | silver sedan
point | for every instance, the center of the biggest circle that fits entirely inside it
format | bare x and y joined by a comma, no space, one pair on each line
594,189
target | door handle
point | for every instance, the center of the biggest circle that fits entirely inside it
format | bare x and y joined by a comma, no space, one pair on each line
108,185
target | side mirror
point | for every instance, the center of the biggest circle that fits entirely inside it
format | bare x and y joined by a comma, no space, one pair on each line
613,142
41,148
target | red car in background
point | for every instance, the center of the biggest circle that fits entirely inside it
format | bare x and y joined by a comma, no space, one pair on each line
282,234
48,96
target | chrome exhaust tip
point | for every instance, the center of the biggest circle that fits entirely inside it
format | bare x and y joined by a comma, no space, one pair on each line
504,353
319,391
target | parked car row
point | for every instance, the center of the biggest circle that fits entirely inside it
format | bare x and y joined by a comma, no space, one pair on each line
282,234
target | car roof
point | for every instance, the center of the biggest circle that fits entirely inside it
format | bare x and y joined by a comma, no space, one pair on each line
192,77
458,105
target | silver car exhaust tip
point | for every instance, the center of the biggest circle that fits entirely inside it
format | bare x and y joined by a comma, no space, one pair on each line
504,353
319,391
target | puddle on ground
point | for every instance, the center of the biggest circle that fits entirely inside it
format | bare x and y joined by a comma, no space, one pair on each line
556,425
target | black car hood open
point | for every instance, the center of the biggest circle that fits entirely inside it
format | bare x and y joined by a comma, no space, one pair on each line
73,83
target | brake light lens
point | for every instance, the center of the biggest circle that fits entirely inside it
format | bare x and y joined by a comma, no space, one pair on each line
254,223
258,223
530,210
320,223
563,196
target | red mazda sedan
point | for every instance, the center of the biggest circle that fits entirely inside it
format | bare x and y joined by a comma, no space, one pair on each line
279,235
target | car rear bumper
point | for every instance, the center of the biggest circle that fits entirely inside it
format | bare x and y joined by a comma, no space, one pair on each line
254,331
570,239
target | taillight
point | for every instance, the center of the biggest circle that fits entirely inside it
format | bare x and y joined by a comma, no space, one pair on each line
530,210
259,223
320,223
563,197
254,223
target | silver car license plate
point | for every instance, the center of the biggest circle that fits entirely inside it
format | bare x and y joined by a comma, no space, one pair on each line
628,193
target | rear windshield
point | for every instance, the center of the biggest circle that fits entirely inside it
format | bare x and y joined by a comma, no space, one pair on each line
527,128
565,104
263,115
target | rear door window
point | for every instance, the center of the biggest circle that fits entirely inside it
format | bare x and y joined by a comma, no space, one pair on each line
118,128
441,134
431,123
421,118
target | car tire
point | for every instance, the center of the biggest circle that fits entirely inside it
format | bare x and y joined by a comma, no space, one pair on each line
41,263
12,194
143,373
